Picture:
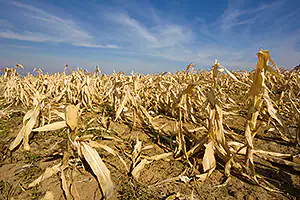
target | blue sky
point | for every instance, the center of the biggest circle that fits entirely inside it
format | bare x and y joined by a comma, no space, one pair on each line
147,36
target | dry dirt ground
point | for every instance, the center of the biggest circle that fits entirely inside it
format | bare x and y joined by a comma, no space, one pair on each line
157,180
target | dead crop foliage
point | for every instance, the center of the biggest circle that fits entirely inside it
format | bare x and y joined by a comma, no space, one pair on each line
197,105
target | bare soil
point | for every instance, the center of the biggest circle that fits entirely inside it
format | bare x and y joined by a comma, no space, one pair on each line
157,180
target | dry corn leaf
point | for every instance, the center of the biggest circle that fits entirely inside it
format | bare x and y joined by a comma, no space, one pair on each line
148,147
146,113
202,177
273,72
234,77
95,144
228,167
28,115
52,127
29,121
74,191
50,171
28,128
137,170
65,185
17,140
19,65
72,116
60,114
209,160
136,152
274,154
120,109
198,146
272,111
100,170
124,163
280,161
109,150
160,156
48,196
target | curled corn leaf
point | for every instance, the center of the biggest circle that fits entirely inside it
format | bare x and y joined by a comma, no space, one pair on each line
137,170
100,170
29,121
209,161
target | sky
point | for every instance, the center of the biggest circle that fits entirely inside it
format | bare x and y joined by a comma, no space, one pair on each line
147,36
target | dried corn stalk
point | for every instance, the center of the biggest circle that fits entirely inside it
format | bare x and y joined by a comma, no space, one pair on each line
258,94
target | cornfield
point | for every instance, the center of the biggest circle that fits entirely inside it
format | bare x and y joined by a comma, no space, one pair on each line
189,114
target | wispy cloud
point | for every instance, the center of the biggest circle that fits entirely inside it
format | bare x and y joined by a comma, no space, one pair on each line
233,17
97,46
28,36
159,34
239,16
125,20
51,28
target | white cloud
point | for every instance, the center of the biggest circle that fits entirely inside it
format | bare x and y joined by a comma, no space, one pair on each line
49,27
160,34
229,19
97,46
28,36
133,24
235,15
173,34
